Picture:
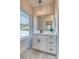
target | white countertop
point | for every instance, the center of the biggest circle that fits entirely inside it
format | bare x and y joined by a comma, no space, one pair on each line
44,32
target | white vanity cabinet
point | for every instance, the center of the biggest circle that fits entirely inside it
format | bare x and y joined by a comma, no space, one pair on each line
39,42
44,42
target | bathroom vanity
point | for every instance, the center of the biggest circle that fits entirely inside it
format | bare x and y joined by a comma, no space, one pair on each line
46,43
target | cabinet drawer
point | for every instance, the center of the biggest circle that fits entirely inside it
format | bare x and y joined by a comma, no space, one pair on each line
51,40
52,50
51,44
51,37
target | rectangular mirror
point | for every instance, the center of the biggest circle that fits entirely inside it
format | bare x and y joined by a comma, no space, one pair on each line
44,23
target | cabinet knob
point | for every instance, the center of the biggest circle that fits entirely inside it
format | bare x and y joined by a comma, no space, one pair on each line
50,37
51,49
51,42
38,40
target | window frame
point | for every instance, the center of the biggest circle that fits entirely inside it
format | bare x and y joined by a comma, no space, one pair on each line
29,23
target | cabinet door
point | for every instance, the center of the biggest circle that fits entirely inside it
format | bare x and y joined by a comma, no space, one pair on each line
35,43
43,44
51,42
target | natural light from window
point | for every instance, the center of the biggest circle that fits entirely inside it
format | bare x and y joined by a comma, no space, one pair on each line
24,24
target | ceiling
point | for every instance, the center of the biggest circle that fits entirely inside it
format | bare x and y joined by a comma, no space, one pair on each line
35,3
32,6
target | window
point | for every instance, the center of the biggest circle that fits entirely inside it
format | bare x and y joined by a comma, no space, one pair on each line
24,25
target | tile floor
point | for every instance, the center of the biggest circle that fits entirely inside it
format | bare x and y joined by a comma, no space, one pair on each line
29,53
32,54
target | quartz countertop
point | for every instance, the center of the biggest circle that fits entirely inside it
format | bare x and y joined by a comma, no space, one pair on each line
44,32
